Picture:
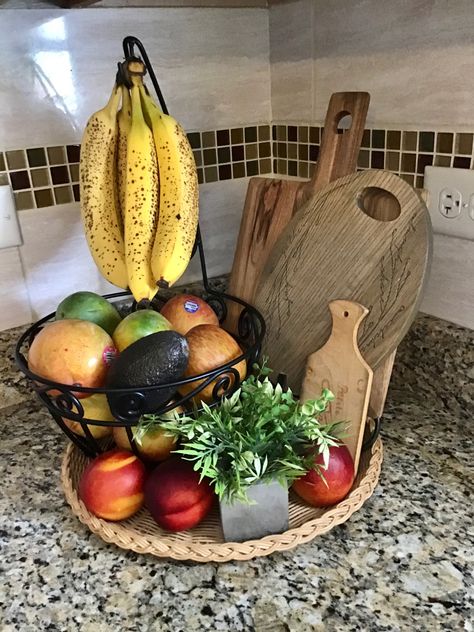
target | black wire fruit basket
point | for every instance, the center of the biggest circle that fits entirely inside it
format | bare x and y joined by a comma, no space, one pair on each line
64,401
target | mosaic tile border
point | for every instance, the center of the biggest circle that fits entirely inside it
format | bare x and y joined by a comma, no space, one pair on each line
46,176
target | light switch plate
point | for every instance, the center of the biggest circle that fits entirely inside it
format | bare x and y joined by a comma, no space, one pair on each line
451,200
10,234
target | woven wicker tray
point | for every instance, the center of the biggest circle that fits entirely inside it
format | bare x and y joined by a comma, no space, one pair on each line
205,543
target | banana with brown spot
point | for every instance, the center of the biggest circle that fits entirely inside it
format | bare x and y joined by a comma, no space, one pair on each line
124,122
99,204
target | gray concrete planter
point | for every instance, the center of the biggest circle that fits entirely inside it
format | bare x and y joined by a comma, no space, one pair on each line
268,515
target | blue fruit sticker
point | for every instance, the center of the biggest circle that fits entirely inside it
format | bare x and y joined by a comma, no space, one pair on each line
191,306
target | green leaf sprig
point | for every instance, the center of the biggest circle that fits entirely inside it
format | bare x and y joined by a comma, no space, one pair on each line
259,434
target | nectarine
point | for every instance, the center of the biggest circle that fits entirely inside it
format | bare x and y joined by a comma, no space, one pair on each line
175,497
111,486
186,311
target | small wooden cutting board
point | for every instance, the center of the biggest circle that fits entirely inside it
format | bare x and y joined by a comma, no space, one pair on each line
340,367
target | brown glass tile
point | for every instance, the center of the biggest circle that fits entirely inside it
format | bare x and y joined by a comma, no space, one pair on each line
444,142
250,134
462,162
281,150
426,141
264,150
463,144
275,165
76,192
408,163
36,157
73,153
363,159
208,139
225,172
281,132
303,134
263,132
252,168
238,169
311,168
281,167
223,155
16,159
265,166
365,138
409,141
200,174
377,160
2,162
425,160
303,152
222,137
56,155
292,151
194,139
419,181
251,151
20,180
392,161
292,133
237,136
210,174
442,161
44,197
314,136
210,157
313,152
378,138
393,139
59,175
63,195
74,173
408,177
237,152
303,169
4,179
275,148
274,132
40,177
24,201
197,153
292,168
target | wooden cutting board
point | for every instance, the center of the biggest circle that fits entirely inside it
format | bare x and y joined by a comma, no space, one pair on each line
271,203
339,366
332,249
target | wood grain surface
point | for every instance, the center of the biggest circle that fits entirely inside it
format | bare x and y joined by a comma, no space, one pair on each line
333,249
340,367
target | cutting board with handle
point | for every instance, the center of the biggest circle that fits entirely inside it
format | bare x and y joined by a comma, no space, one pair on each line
339,366
271,203
336,247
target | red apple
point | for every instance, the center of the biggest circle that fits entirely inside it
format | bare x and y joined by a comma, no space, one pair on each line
210,347
111,486
186,311
175,497
72,352
339,478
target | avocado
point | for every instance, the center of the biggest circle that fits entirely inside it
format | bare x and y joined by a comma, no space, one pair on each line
156,359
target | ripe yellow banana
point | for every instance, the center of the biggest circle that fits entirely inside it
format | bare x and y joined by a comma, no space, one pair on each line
179,198
99,203
141,203
124,122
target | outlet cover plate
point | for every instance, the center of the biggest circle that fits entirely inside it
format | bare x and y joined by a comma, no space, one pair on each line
451,200
10,234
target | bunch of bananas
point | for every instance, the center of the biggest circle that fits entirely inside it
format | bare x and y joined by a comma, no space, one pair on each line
139,191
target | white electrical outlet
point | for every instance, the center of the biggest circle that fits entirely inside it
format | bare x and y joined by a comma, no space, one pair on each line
451,200
9,228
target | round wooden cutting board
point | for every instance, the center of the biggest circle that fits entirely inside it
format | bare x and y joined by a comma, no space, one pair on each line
334,248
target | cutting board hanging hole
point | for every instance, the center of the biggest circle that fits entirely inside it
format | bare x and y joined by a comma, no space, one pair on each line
343,122
379,204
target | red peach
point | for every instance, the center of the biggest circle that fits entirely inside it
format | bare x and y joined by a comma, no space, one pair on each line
175,497
111,486
339,478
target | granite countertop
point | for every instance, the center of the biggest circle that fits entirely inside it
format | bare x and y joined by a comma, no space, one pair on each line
403,562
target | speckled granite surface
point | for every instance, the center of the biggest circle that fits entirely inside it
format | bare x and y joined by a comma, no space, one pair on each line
404,562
